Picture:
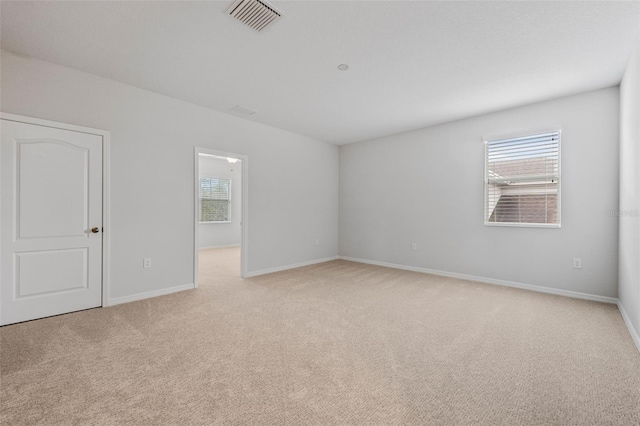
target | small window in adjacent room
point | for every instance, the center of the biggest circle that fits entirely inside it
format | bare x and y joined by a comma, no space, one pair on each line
215,200
522,181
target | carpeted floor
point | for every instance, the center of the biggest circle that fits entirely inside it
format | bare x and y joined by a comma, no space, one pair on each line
335,343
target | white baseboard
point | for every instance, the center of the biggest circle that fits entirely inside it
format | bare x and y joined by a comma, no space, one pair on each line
627,321
539,289
218,247
286,267
149,294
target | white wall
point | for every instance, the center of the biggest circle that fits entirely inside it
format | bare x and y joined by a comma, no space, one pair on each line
293,180
222,234
426,187
629,272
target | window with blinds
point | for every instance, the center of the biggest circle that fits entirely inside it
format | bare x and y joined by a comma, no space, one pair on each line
215,200
522,181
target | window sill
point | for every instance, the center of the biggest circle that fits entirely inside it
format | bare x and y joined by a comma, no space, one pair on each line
524,225
206,223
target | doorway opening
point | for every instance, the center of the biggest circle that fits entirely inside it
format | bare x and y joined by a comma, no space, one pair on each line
220,219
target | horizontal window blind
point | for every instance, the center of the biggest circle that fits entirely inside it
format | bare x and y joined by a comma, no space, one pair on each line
522,180
215,199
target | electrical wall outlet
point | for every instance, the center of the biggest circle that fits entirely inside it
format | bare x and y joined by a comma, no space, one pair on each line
414,247
146,263
577,263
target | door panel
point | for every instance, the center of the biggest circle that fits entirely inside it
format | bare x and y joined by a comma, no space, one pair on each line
52,189
51,271
51,182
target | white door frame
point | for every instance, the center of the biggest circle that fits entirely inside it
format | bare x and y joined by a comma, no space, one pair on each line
244,228
106,228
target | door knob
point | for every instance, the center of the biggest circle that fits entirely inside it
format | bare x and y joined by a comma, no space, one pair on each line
95,229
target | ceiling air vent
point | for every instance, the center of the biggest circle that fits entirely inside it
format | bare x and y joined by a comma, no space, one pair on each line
254,13
243,110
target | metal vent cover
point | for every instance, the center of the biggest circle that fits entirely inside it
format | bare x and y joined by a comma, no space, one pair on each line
243,110
255,13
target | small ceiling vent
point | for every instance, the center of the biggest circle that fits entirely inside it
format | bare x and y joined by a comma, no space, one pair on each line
243,110
254,13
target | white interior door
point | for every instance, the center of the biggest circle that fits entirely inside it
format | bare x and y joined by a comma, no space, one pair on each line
51,226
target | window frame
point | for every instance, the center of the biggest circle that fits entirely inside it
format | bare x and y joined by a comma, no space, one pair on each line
200,202
530,134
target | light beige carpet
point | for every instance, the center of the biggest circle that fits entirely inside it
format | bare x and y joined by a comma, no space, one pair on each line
335,343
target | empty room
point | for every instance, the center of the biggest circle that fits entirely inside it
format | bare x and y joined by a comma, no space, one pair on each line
256,212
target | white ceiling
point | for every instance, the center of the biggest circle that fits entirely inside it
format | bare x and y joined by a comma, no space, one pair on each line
412,64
